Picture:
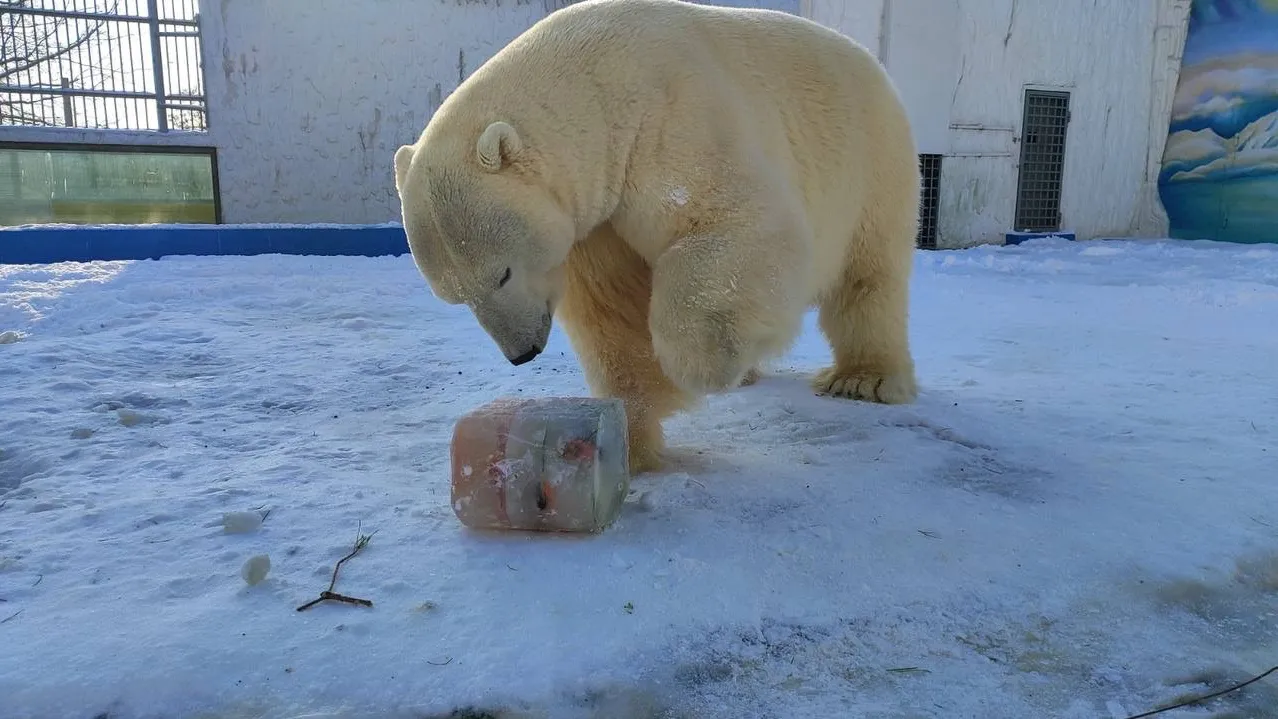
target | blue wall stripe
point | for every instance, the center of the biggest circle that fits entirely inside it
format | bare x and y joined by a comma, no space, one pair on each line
45,244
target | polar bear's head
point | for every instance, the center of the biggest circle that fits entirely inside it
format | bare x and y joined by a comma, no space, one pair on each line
486,232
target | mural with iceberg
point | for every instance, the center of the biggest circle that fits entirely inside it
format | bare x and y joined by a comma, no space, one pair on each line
1219,176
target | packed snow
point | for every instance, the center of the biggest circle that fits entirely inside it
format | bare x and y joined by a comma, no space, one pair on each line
1077,519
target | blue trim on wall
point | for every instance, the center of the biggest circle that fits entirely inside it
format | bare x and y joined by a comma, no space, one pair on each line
42,244
1016,238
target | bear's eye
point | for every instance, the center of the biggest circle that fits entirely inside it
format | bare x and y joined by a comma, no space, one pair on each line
504,278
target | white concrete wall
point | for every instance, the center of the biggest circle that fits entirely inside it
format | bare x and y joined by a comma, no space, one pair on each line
916,41
309,98
861,20
962,67
1104,54
922,54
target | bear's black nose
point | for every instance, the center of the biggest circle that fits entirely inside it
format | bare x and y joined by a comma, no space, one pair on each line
526,357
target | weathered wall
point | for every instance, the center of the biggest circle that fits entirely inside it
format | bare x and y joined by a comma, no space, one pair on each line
922,54
962,67
309,98
860,20
915,40
1117,63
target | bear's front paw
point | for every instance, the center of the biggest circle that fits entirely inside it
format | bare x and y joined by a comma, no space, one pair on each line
884,388
698,375
701,358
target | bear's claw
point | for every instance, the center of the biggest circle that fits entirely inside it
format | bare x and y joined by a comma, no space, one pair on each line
897,388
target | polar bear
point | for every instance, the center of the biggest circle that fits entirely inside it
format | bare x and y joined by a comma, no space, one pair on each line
676,185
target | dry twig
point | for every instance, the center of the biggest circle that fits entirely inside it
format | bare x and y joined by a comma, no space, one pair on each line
1213,695
361,541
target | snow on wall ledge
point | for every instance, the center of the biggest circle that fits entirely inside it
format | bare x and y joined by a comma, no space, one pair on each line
41,244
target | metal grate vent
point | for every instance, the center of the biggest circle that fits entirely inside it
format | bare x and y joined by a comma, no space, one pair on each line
929,207
1038,189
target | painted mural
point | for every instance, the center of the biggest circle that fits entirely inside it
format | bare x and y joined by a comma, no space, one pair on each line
1219,176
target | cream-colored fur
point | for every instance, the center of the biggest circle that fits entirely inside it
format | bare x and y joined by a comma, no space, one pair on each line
677,184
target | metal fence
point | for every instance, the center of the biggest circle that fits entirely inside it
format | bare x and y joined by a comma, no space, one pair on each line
118,64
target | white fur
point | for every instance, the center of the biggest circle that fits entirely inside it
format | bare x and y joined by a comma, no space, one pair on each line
679,183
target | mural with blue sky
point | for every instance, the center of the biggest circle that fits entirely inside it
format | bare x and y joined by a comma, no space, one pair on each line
1219,176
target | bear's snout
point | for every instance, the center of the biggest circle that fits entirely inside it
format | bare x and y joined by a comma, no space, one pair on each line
526,357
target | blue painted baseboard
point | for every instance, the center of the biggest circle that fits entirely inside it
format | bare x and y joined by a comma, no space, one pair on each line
1016,238
42,244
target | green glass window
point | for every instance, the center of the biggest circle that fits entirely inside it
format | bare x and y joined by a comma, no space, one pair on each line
92,184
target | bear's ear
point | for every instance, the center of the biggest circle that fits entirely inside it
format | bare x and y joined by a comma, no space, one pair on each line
403,156
498,146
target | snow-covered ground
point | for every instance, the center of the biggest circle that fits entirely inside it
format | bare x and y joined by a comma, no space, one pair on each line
1077,519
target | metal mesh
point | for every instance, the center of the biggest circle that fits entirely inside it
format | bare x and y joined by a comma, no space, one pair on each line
1038,191
929,207
119,64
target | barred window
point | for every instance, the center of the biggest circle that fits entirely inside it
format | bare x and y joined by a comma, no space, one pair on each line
113,64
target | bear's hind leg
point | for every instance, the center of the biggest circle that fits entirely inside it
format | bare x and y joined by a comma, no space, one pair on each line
604,313
866,318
